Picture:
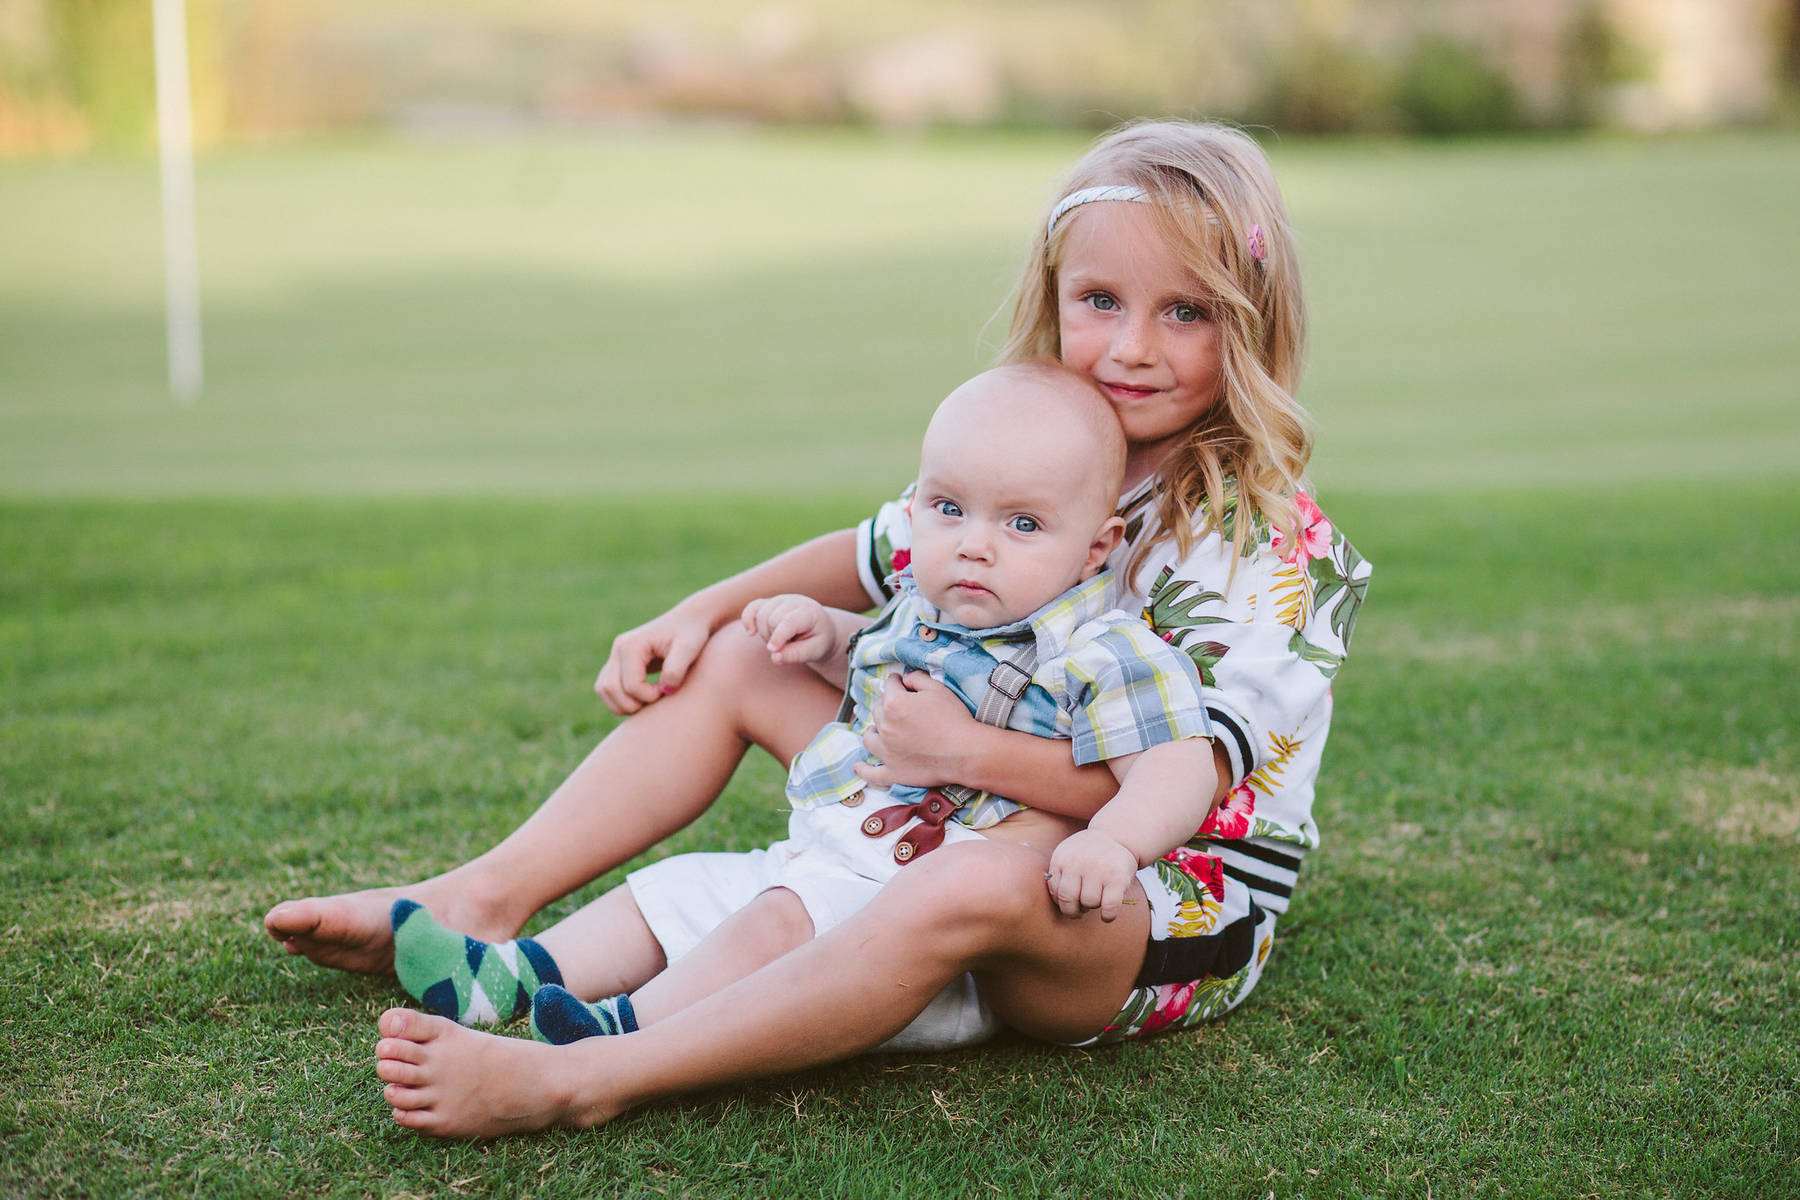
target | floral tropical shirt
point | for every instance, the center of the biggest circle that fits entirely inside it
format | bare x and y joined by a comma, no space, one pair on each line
1266,640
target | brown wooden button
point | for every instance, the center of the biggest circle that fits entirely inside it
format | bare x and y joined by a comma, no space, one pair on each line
853,799
927,633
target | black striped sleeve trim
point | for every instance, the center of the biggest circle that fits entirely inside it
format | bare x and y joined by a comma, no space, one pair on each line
876,571
1262,852
1237,746
1257,883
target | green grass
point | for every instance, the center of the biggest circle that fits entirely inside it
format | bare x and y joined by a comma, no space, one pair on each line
474,408
1548,944
645,314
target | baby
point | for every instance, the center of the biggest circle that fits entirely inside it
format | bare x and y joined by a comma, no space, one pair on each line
1006,602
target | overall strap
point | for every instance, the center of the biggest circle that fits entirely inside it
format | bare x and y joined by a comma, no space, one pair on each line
1006,684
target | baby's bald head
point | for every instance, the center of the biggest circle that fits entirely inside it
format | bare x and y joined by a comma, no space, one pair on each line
1018,479
1045,417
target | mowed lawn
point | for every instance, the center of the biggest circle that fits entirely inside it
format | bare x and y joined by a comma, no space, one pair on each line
475,407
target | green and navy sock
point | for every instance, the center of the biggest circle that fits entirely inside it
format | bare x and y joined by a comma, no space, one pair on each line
474,983
559,1018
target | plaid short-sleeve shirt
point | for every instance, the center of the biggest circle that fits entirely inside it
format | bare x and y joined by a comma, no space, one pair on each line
1104,682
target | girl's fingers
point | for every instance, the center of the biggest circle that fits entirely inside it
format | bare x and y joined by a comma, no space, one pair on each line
676,661
611,687
633,675
874,774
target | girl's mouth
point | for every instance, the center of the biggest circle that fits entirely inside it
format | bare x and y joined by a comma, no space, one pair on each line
1125,391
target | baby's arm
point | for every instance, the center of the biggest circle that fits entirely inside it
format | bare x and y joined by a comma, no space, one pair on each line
1164,795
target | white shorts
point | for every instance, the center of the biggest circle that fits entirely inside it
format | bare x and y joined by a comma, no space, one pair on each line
834,869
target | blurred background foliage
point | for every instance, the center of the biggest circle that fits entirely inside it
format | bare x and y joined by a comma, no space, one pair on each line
77,74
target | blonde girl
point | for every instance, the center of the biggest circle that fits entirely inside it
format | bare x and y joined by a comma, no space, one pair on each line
1166,272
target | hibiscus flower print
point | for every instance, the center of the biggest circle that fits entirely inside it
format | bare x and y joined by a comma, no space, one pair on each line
1172,1004
1232,818
1315,534
1204,869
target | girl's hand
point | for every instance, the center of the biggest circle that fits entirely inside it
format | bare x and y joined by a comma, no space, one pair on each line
796,629
1090,870
669,644
921,733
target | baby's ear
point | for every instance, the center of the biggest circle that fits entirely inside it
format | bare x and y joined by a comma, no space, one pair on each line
1111,533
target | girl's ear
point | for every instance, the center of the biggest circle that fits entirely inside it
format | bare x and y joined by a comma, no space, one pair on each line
1105,542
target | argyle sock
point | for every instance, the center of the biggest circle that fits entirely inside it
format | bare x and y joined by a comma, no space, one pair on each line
475,983
559,1018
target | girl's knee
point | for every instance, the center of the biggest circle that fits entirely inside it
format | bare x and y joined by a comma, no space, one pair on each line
974,885
732,658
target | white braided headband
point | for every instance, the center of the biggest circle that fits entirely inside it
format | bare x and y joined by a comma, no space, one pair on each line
1110,191
1254,240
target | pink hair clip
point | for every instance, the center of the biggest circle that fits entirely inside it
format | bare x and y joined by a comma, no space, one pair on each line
1259,249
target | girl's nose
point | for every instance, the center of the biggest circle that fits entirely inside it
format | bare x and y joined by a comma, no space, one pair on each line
1134,343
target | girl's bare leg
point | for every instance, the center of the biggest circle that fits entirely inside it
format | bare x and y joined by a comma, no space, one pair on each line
972,906
650,777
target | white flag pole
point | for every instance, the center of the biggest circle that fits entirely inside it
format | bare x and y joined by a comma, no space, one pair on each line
175,144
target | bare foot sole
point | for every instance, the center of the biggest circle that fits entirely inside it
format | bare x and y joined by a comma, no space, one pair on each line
448,1081
352,931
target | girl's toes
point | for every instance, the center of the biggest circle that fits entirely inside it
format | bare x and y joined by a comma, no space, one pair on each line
400,1096
403,1073
401,1049
405,1023
419,1119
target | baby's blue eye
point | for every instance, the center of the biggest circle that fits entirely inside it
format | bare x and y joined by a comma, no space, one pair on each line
948,508
1025,524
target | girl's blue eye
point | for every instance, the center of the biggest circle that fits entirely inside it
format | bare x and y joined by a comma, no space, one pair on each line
1103,302
1187,314
947,508
1025,524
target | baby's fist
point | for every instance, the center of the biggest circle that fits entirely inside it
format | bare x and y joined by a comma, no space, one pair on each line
1090,870
795,628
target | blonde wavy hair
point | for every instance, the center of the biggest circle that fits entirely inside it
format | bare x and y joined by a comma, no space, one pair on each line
1209,184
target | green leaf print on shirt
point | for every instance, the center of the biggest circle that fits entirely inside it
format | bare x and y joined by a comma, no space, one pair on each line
1335,575
1172,613
1327,662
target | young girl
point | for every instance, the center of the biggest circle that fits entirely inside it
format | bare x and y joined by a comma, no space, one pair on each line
1165,272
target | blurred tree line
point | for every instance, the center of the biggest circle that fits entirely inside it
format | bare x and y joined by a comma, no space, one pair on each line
79,73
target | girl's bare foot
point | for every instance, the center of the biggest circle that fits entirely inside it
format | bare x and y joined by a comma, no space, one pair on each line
448,1081
351,931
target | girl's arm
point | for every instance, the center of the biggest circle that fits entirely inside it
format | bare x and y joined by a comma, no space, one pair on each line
824,568
924,736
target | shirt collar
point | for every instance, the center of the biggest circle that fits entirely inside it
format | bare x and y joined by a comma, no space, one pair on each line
1050,626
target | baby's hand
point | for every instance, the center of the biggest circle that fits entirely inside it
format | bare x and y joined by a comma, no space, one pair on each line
1089,870
797,629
